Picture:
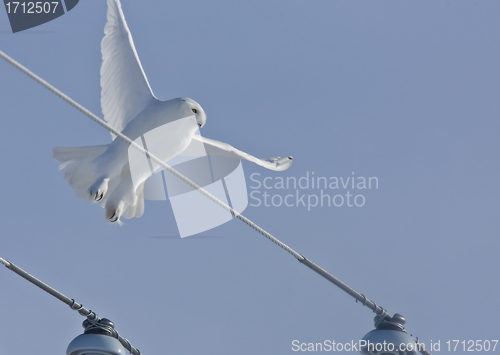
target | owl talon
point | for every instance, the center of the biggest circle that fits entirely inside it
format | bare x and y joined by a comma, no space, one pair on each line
99,188
114,217
113,211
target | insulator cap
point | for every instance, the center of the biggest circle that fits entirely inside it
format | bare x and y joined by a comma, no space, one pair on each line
104,326
395,322
398,318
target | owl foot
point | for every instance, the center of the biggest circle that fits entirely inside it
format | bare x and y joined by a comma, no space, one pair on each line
113,212
99,188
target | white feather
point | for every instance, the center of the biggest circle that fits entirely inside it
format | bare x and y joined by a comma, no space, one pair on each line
125,88
220,148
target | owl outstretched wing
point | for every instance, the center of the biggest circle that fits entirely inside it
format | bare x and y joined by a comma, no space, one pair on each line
125,88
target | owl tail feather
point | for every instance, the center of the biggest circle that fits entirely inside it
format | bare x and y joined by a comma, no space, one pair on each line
78,167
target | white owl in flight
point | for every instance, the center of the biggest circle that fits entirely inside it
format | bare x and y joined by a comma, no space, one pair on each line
102,173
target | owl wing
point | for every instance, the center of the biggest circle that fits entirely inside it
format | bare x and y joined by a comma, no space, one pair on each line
219,148
125,88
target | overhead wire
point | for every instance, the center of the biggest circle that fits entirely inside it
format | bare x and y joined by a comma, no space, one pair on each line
379,311
92,317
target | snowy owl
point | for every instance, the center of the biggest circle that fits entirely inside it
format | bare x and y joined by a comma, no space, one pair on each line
102,173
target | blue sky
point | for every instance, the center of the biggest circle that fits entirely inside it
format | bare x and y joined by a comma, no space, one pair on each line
403,91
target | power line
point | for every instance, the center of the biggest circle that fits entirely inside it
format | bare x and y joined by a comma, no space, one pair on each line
93,318
381,312
144,151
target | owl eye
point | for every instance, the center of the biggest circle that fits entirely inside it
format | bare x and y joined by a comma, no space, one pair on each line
194,110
